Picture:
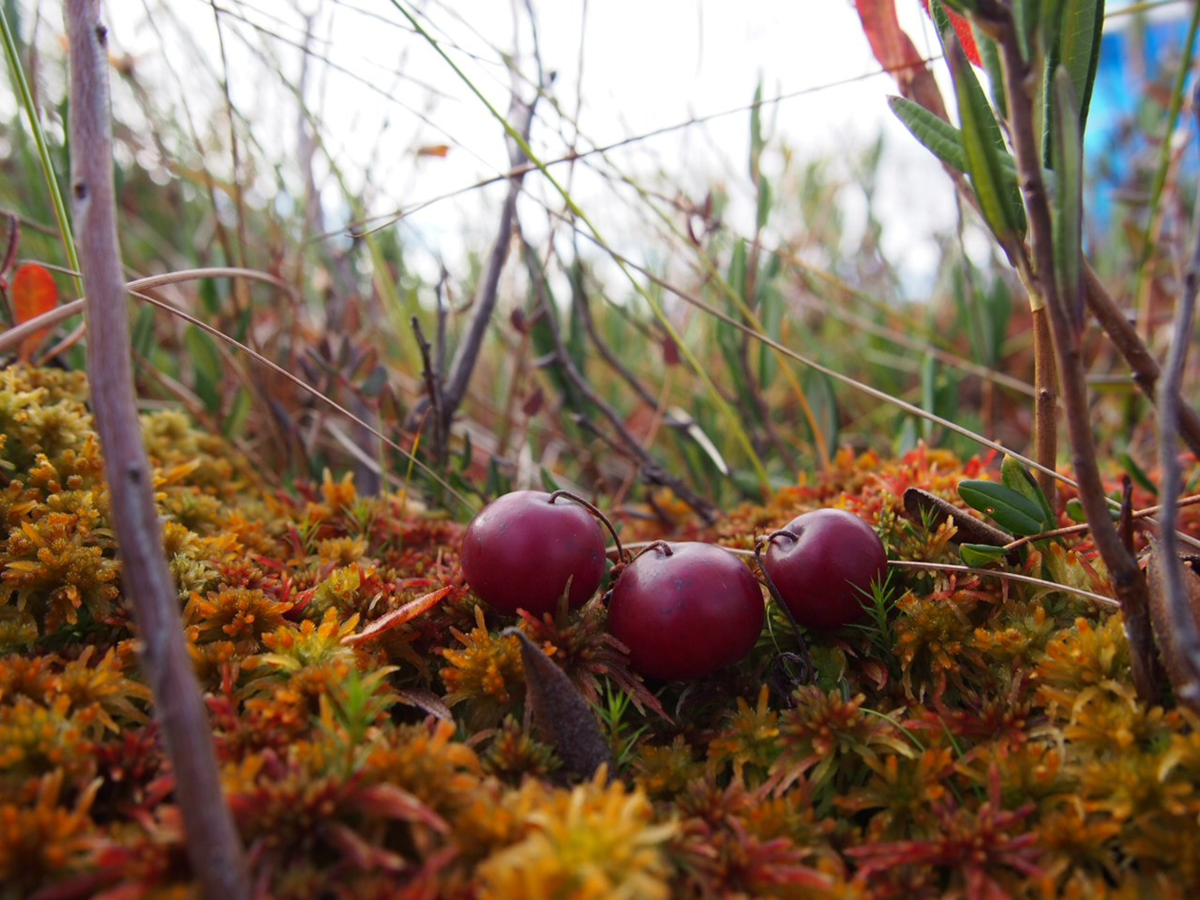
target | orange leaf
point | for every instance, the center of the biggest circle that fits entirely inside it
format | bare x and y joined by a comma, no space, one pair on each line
33,293
397,617
438,150
891,46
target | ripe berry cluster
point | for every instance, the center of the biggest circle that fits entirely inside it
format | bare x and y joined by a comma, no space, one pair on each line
683,609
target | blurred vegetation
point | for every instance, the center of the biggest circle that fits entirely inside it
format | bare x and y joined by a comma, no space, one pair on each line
579,381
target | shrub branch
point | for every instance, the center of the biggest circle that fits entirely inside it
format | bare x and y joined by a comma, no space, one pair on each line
213,846
1128,581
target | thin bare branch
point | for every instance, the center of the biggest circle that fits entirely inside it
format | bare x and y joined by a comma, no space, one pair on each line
455,389
213,846
1183,639
1128,581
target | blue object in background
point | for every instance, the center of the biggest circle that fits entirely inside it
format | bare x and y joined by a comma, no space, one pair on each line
1133,53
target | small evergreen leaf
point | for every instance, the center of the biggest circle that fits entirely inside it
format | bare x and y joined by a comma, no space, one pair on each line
1010,510
1075,511
1021,480
979,555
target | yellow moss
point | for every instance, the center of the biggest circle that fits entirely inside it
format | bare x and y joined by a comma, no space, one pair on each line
596,842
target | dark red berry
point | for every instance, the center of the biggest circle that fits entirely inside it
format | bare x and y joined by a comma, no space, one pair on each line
522,549
822,564
685,610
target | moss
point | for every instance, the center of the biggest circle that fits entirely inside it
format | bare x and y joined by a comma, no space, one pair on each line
977,739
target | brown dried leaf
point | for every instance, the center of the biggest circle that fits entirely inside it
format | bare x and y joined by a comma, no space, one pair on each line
563,718
397,617
970,529
1178,671
427,701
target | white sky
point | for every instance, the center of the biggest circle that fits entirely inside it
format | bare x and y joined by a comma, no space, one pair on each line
645,64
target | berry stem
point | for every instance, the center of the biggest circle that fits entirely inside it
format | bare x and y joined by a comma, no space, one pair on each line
595,511
805,657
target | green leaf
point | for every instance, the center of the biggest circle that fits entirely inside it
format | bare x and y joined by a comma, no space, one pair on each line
1075,510
548,482
933,132
1068,197
206,366
1137,473
983,147
238,414
989,55
737,268
756,138
464,458
980,555
1020,479
143,332
1010,510
818,388
764,201
1026,14
210,296
770,314
1071,33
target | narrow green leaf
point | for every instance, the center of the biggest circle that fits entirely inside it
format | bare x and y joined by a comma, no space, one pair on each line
756,138
764,201
206,366
1068,197
770,314
983,146
737,268
464,458
989,55
238,414
980,555
1071,32
1010,510
1026,15
143,331
1137,473
929,378
1082,29
1021,480
818,388
933,132
548,480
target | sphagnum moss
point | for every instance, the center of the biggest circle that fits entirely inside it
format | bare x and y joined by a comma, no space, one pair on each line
988,739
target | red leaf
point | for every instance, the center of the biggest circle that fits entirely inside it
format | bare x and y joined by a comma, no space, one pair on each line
670,350
966,36
533,403
439,151
33,293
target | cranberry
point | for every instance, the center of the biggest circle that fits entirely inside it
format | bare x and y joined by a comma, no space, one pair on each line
821,564
523,548
685,610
